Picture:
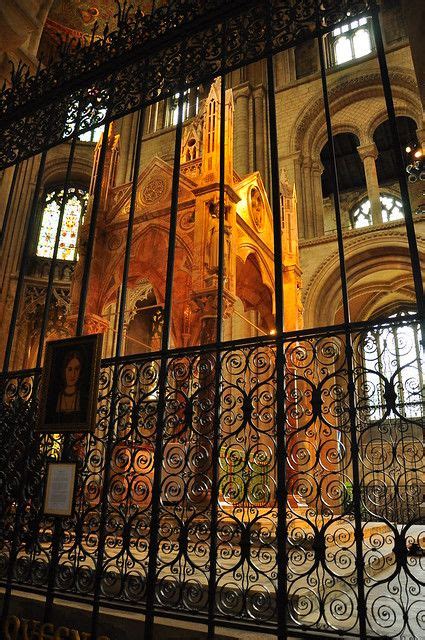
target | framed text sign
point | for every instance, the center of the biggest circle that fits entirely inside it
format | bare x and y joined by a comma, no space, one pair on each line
59,493
69,388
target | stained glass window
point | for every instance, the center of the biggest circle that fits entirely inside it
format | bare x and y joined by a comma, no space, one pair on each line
351,41
391,209
75,207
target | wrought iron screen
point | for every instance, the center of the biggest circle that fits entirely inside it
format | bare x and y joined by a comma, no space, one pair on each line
271,483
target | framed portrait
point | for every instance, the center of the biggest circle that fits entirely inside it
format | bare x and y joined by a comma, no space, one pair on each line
70,381
60,489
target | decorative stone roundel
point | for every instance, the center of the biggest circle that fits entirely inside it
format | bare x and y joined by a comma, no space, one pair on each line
154,190
256,206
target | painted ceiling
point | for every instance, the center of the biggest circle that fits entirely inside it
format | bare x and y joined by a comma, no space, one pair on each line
81,15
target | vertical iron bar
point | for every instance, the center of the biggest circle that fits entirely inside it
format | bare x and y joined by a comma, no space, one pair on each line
401,169
24,262
127,255
282,601
358,532
92,230
162,381
212,584
53,262
18,293
111,425
9,202
282,604
56,539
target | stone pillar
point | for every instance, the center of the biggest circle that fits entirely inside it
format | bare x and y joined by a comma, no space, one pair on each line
308,199
241,133
125,132
319,216
259,144
368,153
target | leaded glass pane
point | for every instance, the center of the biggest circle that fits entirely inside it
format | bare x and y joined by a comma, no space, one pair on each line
362,216
392,209
74,211
343,51
361,43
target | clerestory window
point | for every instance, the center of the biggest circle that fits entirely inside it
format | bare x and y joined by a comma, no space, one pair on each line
75,207
391,210
190,106
350,41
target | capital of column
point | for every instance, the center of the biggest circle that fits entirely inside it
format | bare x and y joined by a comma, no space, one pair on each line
242,91
368,151
307,163
258,92
318,167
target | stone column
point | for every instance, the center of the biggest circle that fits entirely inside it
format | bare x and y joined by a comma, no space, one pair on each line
259,144
241,132
368,153
319,216
308,201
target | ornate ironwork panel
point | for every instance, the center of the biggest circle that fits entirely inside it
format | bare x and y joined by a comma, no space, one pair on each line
148,58
322,581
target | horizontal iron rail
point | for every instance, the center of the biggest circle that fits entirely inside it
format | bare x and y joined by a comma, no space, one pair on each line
302,334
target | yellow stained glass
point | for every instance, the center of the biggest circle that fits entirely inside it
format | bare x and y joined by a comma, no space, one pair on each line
73,213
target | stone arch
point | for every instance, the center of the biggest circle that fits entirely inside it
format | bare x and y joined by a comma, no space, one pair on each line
350,88
382,116
56,168
379,275
245,250
252,290
322,138
149,241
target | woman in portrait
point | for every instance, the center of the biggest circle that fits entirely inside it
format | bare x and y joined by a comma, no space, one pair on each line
69,396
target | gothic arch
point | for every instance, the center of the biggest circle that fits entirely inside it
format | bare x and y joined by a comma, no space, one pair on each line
252,290
245,250
151,268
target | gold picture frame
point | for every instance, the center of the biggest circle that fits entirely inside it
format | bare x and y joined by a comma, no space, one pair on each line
60,488
69,386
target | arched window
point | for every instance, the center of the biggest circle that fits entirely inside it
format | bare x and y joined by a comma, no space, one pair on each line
190,106
75,208
391,209
350,42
